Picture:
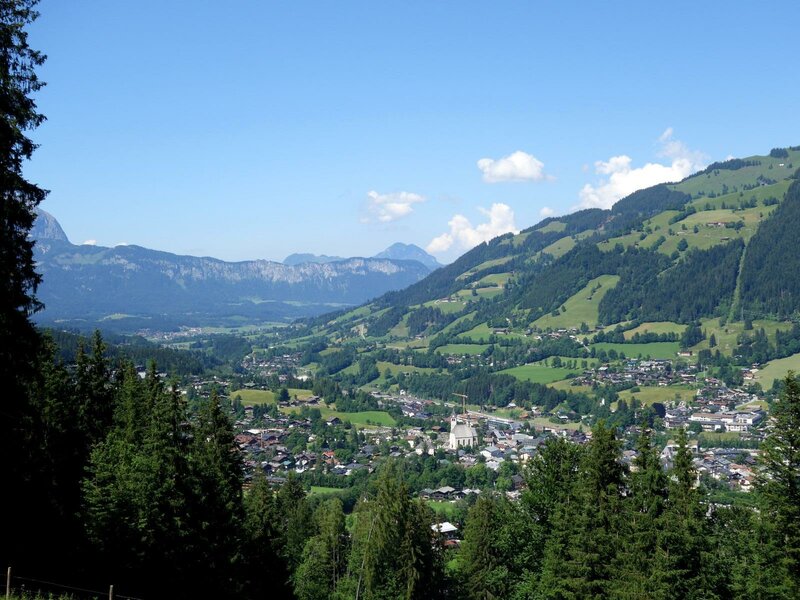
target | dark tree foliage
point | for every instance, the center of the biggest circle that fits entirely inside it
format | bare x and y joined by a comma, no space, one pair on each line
700,285
634,209
381,326
135,349
733,164
545,289
756,347
580,552
21,424
770,279
427,317
780,485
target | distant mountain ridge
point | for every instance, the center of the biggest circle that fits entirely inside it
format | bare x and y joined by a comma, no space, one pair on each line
127,284
400,251
397,251
305,257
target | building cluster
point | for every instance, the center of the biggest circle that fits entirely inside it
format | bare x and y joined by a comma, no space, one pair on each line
280,365
635,372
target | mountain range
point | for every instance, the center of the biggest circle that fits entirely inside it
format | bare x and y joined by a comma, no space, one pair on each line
130,287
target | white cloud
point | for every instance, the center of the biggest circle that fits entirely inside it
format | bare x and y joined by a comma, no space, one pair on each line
386,208
546,211
519,166
89,243
622,179
463,235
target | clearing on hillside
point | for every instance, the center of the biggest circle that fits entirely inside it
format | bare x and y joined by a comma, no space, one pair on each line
580,308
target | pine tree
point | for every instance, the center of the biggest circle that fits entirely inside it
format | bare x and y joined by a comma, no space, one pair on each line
581,549
779,487
500,544
216,512
19,342
324,556
393,554
639,524
94,391
296,520
681,560
267,571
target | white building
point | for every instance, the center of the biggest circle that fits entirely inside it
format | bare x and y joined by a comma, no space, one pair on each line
462,434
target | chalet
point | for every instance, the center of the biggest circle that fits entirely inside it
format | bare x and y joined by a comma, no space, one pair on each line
447,530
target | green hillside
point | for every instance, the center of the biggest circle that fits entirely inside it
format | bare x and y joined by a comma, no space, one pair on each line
697,267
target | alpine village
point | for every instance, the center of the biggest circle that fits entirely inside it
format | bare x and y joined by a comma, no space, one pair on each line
603,405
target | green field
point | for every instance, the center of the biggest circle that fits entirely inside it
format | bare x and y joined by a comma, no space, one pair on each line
711,437
479,332
648,395
252,397
560,247
713,182
447,510
553,226
565,385
653,349
457,322
776,190
498,279
707,235
462,348
582,307
483,266
726,335
359,419
446,307
322,490
538,373
489,292
777,369
545,422
395,369
658,327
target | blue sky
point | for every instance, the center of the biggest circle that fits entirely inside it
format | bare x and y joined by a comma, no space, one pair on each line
254,129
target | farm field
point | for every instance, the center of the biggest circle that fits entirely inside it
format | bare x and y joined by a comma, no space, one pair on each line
658,327
560,247
483,266
650,394
565,385
777,369
320,490
445,307
447,510
653,350
713,182
359,419
395,369
462,348
252,397
538,373
498,279
545,422
726,335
